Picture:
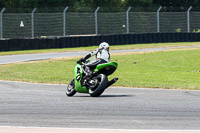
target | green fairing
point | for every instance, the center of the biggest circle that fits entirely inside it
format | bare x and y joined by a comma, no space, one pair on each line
105,65
78,86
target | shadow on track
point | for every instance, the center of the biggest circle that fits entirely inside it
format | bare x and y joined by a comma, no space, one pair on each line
107,96
116,96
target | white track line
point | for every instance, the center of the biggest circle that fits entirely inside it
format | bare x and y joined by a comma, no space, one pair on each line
20,129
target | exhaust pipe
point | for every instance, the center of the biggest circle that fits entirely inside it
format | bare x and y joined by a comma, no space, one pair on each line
112,82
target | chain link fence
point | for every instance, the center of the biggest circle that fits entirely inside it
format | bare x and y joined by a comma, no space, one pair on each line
80,23
51,22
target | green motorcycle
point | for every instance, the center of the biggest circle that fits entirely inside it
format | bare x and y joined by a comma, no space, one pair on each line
96,83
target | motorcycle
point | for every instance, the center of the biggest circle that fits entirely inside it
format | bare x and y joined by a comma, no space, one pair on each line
96,83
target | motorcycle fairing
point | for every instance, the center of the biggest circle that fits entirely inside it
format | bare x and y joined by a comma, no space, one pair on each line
78,73
106,68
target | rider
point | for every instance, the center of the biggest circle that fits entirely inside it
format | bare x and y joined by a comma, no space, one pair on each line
102,56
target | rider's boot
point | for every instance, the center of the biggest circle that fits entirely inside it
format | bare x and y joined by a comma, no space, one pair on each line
87,71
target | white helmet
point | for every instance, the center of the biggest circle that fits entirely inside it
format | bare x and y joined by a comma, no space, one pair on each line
104,45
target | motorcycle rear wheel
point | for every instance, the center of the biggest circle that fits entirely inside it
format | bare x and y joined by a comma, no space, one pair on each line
100,87
71,88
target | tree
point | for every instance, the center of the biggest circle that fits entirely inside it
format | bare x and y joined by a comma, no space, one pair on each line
176,3
96,3
139,3
36,3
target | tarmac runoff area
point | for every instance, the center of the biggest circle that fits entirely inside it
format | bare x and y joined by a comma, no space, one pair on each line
83,130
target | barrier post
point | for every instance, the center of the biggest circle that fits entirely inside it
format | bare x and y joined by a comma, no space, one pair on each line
64,21
127,19
1,22
188,18
158,19
96,20
32,17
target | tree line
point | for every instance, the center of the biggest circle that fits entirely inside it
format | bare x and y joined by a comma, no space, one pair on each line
96,3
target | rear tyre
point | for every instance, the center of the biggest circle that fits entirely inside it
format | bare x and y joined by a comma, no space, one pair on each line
102,82
71,88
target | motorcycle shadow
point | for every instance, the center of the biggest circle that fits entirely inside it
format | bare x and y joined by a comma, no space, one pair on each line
117,96
107,96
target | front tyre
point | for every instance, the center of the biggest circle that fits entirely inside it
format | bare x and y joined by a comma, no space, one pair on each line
71,88
102,82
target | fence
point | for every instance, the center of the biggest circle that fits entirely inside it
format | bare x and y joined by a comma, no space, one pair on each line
31,23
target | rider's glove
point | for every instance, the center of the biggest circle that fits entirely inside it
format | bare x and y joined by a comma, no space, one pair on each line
81,60
84,59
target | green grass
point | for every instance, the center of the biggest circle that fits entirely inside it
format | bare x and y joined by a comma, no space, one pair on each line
175,69
171,69
133,46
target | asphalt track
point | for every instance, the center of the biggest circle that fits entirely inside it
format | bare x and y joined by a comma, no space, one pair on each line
42,105
45,105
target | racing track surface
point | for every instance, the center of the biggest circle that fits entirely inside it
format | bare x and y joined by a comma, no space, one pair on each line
42,105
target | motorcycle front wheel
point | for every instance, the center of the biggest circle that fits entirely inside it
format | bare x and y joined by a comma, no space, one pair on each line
99,88
71,88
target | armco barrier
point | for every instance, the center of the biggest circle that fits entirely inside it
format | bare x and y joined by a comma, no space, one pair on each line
81,41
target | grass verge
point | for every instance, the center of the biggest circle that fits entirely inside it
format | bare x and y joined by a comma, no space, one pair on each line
164,69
